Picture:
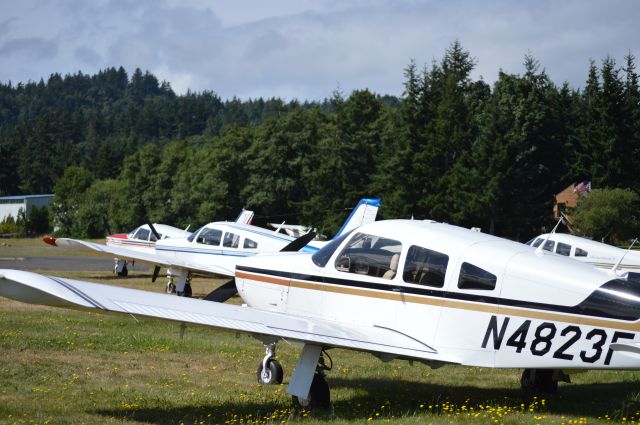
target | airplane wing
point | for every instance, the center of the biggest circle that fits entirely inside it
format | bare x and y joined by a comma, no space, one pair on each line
47,290
143,257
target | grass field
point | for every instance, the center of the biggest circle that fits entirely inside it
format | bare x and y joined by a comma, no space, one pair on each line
68,367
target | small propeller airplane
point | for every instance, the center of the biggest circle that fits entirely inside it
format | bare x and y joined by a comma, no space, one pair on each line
213,249
142,238
596,254
398,289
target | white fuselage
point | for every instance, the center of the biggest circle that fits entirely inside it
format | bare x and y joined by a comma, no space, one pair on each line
476,299
224,243
596,254
142,239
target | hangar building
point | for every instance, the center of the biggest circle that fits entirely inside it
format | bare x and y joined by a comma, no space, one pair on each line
10,205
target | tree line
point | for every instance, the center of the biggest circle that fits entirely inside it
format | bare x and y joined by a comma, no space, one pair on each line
118,151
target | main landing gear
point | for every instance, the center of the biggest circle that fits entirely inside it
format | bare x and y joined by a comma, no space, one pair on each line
319,394
543,380
318,397
120,268
184,281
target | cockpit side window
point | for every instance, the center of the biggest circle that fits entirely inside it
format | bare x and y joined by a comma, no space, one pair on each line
473,277
142,234
537,242
210,237
231,240
370,255
581,252
563,249
152,237
548,246
425,267
249,244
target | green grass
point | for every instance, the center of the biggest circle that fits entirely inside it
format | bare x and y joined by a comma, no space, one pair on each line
69,367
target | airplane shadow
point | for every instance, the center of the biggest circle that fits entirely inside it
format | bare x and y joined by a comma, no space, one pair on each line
402,397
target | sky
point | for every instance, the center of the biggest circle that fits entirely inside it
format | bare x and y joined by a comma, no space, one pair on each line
305,50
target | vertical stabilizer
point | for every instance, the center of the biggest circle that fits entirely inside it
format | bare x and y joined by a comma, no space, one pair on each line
365,212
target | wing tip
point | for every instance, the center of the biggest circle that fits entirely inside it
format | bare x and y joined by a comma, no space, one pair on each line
50,240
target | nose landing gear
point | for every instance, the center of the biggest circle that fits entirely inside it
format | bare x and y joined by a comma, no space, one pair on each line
270,370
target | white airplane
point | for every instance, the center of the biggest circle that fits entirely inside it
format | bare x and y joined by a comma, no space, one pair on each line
596,254
215,249
399,289
143,238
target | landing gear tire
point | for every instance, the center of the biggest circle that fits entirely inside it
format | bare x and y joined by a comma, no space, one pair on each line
187,291
272,375
171,288
319,395
124,272
538,380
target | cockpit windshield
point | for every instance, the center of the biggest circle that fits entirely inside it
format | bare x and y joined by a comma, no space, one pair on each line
321,258
194,234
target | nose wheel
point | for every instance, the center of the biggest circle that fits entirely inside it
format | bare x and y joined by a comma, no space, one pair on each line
270,370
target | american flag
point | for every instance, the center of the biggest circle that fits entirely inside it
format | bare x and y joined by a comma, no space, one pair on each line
582,187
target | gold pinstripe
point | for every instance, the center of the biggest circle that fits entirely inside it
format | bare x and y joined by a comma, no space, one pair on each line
448,303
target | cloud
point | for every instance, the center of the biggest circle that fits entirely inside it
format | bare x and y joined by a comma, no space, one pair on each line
29,48
305,48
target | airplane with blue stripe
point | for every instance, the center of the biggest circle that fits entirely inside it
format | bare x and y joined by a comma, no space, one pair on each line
215,248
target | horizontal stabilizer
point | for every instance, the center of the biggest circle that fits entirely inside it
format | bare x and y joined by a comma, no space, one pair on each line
38,289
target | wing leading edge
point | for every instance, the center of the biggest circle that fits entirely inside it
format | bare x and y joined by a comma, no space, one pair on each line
38,289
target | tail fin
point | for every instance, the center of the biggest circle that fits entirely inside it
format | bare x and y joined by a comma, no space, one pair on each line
245,217
365,212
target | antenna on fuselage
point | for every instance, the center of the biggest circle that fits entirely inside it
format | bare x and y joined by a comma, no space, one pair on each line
613,269
280,227
539,248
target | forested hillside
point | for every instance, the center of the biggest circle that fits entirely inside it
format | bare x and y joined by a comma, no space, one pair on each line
119,149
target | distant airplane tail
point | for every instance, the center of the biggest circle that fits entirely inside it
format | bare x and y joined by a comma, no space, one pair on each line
365,212
245,217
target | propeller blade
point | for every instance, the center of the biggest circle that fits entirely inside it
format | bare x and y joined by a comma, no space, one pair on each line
223,293
156,271
299,243
154,231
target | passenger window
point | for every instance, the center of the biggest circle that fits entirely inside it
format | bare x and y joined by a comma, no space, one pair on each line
473,277
142,234
548,246
425,267
537,242
563,249
371,256
249,244
231,240
581,252
210,237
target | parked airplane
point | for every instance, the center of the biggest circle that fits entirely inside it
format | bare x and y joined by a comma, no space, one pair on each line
143,238
399,289
215,249
596,254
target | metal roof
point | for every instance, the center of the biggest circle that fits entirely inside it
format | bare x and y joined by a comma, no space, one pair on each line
23,197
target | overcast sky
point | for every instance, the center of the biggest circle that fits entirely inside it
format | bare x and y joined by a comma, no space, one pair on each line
306,49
